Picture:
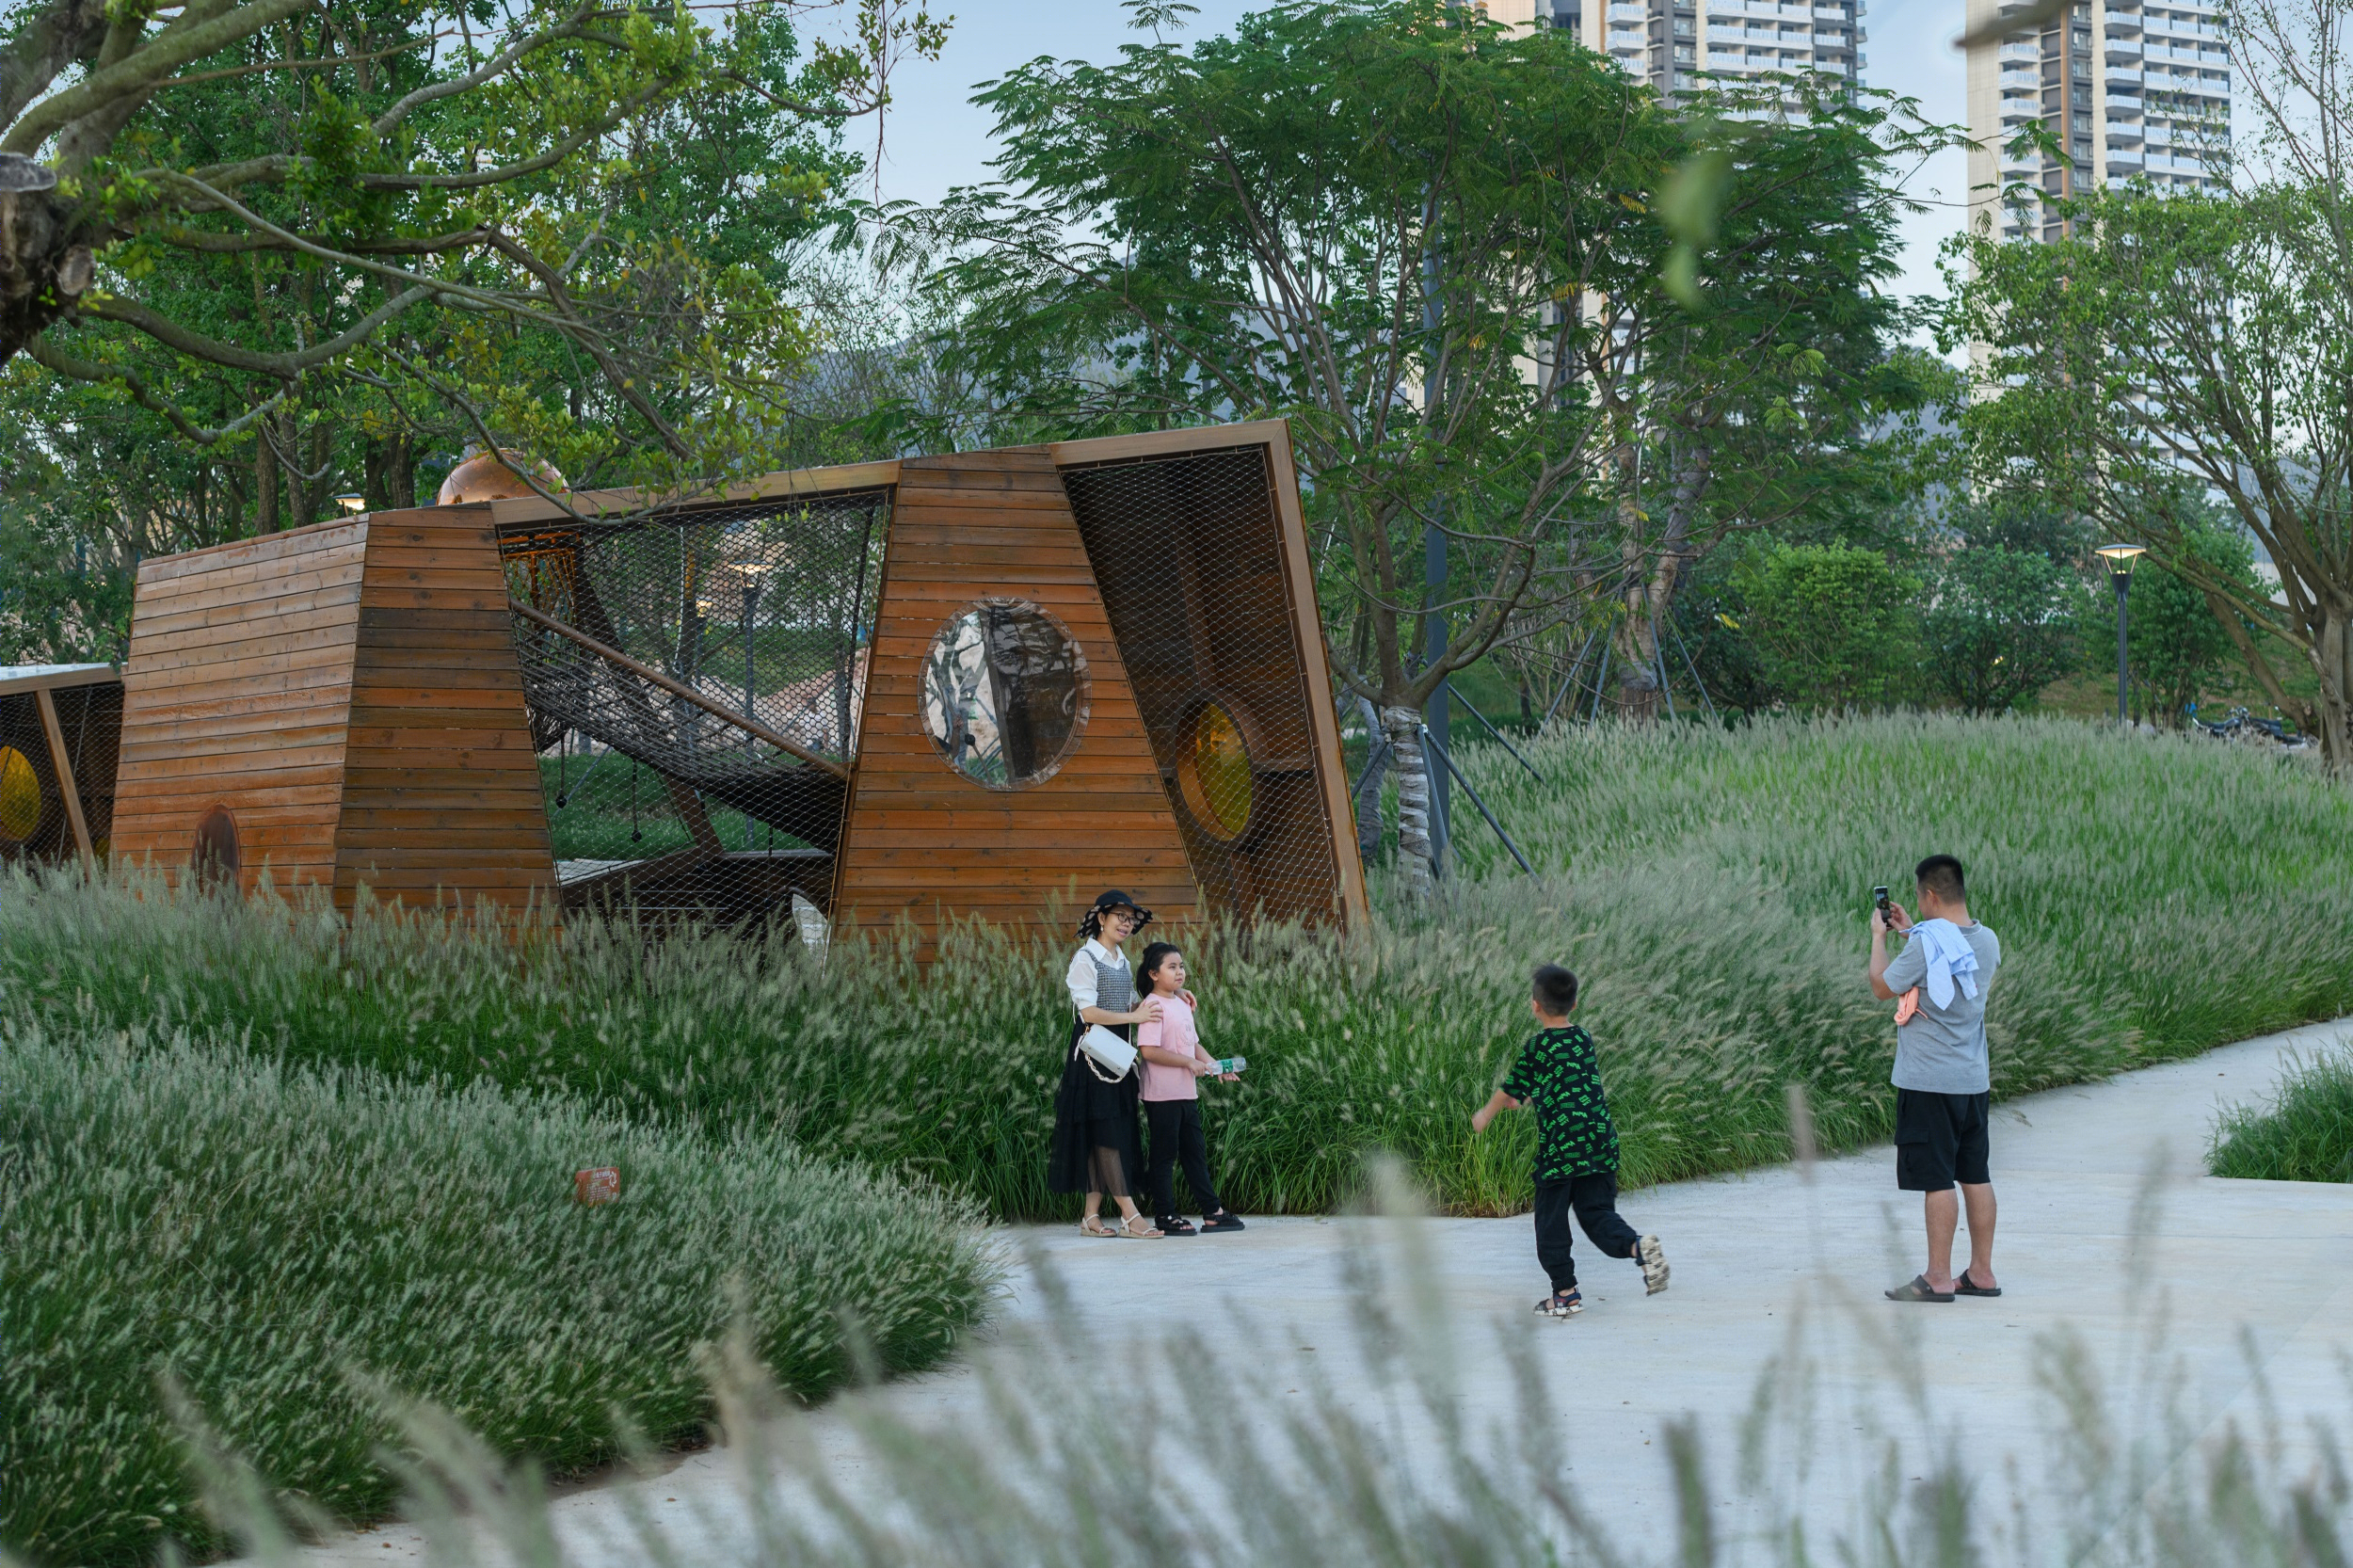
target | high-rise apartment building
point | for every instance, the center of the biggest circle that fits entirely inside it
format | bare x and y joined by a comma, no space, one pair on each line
2127,87
1670,42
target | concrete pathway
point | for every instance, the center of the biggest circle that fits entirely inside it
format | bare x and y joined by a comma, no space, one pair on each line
2108,1228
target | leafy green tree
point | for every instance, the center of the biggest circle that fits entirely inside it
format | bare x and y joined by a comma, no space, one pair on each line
1834,625
1437,248
213,207
2171,345
2001,624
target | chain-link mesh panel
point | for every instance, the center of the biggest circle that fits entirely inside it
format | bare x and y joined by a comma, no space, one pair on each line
35,828
695,680
1188,554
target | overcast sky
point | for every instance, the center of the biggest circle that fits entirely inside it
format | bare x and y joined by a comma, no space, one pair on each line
936,139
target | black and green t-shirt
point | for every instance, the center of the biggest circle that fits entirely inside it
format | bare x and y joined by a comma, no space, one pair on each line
1558,1077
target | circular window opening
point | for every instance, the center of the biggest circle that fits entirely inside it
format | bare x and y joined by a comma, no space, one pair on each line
20,795
1214,774
1004,694
214,859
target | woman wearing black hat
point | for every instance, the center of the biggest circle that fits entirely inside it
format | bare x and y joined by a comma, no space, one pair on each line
1097,1142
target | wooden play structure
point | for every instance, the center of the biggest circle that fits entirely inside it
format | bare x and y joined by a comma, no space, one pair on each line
965,685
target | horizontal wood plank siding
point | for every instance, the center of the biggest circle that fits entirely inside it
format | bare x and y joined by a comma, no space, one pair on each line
924,843
441,801
235,695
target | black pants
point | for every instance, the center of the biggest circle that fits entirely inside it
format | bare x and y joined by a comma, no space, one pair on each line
1594,1199
1176,1136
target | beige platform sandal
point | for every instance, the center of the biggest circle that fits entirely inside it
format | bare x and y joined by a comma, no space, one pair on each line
1150,1231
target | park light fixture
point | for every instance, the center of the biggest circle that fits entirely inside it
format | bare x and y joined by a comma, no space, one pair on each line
752,572
352,501
2119,558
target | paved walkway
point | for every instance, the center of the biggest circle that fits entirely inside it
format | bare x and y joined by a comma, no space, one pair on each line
2106,1221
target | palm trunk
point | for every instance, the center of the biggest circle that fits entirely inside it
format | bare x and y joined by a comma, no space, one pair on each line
1416,856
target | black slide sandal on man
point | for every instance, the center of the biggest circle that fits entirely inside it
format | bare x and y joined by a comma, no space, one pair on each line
1918,1290
1961,1286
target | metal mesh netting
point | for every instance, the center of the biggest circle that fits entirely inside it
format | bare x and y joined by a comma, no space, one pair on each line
1187,552
698,676
35,828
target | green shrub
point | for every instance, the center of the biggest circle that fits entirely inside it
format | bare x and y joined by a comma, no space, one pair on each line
2306,1135
1709,886
273,1239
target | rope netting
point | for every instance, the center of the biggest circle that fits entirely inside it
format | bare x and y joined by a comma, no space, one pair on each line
697,677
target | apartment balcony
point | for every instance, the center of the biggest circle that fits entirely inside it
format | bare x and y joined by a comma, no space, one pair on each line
2123,162
2123,133
2127,77
2124,23
2122,52
1620,11
2022,78
2123,103
1833,44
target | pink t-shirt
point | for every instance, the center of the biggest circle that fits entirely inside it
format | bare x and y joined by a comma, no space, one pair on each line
1174,1032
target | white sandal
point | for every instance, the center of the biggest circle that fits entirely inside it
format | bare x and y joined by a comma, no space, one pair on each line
1093,1225
1149,1232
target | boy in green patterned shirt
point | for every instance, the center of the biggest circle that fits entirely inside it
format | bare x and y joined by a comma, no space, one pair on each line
1576,1147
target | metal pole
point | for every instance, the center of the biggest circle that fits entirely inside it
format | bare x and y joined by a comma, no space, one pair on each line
751,608
1570,679
1496,733
1433,546
1457,773
2124,582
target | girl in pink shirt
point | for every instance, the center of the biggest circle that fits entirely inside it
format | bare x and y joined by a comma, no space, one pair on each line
1172,1061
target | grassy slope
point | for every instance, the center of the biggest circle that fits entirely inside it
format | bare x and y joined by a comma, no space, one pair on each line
2306,1135
275,1240
1710,886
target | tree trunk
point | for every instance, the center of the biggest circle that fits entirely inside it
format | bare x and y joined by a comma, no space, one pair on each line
1416,856
264,485
2334,662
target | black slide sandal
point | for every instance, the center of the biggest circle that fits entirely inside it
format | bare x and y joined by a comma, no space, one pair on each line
1918,1290
1962,1287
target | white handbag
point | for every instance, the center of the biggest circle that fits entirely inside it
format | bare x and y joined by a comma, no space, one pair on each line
1103,1046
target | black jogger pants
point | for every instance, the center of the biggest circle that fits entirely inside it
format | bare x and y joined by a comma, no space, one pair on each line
1594,1199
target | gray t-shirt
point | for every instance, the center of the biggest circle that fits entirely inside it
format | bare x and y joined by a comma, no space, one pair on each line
1941,1050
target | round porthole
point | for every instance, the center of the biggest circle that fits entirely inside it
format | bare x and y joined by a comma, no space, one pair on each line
20,795
1214,774
215,856
1004,694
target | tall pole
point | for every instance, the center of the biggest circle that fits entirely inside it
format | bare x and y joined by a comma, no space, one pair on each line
2123,582
752,607
1434,552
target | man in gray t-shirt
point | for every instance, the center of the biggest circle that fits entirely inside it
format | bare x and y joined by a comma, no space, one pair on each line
1942,1078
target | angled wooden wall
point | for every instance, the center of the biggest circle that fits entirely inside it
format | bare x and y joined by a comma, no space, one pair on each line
441,794
236,692
348,692
924,842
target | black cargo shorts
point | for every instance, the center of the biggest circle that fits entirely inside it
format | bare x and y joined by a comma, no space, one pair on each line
1940,1139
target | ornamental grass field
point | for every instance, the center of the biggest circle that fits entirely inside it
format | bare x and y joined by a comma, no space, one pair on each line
2306,1133
295,1250
2154,898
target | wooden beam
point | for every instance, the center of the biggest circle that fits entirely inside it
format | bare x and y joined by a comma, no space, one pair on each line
1164,443
838,479
680,689
64,766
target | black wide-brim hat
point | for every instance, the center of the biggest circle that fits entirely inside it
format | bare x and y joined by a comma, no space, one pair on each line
1106,901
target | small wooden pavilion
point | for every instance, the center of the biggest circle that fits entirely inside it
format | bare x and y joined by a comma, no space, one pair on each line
972,684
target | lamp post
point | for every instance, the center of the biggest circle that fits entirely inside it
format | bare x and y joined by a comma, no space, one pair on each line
753,571
2119,558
